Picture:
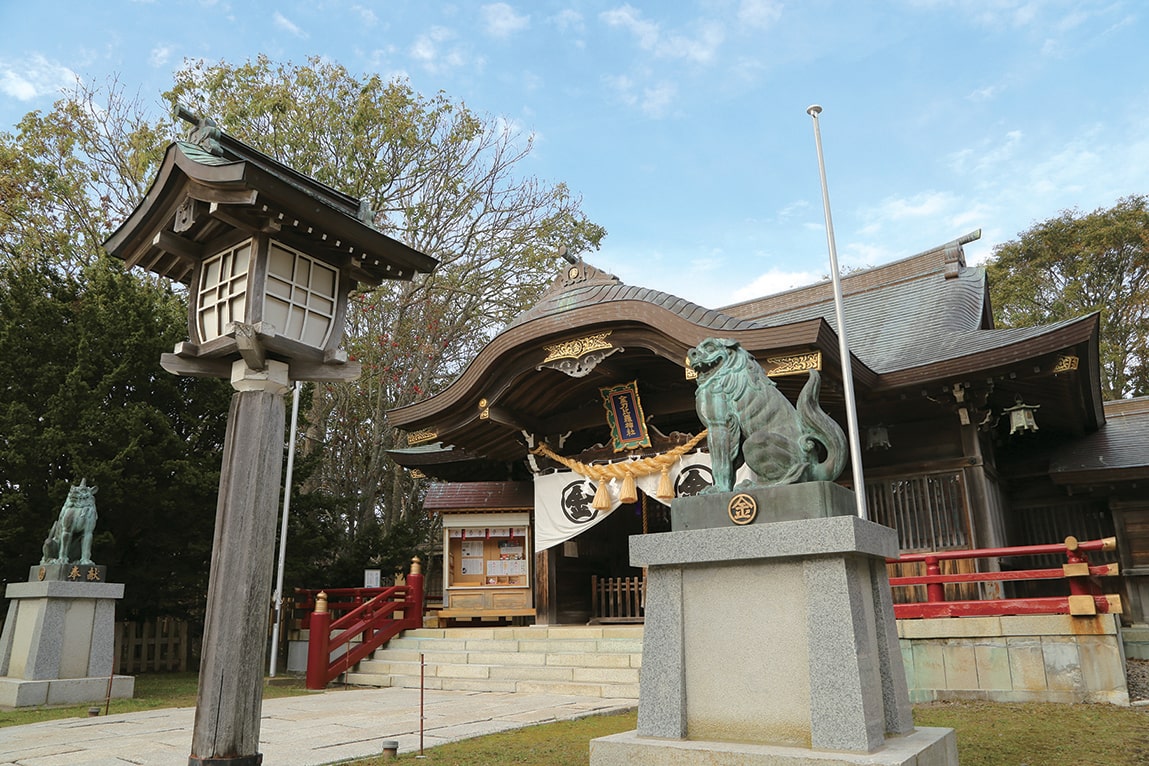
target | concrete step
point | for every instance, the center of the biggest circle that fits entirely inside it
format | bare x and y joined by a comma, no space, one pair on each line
596,661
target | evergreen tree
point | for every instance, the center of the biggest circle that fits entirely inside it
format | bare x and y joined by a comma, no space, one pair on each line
1075,264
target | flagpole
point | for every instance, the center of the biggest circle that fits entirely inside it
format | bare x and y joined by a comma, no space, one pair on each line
843,345
283,531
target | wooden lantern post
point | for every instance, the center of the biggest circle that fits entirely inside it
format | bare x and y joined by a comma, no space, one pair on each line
269,257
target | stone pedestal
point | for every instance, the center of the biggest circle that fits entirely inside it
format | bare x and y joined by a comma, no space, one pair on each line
58,641
773,643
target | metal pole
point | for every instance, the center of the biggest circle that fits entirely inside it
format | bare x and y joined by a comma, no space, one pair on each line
283,530
843,345
422,686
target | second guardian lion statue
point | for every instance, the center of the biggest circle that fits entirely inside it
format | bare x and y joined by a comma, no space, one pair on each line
749,419
70,541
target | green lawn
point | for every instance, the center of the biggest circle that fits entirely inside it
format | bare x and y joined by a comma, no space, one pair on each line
989,734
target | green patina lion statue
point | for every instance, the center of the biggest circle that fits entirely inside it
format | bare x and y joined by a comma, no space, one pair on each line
70,541
749,419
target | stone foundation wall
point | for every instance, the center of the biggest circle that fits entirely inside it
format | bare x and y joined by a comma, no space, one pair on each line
1041,658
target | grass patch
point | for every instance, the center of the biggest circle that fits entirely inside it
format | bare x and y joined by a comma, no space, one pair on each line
153,690
989,734
564,743
1004,734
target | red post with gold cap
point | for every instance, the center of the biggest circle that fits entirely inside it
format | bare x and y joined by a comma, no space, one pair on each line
319,632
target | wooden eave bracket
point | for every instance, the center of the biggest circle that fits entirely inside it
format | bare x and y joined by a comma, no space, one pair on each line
250,347
260,223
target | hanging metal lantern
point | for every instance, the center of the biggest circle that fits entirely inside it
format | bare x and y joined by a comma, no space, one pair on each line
1021,417
877,437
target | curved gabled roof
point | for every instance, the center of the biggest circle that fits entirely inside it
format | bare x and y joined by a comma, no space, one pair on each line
583,285
919,329
647,335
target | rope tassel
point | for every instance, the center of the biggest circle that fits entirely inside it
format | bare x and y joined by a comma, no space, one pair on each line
601,497
665,488
629,493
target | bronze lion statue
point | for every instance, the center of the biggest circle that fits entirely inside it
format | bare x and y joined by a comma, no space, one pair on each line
750,420
70,541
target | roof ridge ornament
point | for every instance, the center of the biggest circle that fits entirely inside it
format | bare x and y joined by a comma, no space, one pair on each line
206,133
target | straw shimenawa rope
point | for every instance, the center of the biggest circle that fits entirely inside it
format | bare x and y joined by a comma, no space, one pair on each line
626,470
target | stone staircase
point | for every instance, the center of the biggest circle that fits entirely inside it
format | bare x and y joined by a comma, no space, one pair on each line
591,661
1136,641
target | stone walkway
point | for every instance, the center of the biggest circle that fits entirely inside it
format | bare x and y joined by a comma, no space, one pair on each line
321,728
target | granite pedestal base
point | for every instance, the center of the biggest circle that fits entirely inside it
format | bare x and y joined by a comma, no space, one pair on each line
773,643
58,643
922,747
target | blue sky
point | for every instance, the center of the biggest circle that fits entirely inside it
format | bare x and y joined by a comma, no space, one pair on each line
683,124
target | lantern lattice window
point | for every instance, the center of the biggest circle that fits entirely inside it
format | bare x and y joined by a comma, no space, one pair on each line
223,291
301,296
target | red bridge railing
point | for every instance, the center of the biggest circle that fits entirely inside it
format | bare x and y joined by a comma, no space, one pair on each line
1085,595
369,617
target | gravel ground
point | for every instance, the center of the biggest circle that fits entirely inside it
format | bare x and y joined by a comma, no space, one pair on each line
1137,675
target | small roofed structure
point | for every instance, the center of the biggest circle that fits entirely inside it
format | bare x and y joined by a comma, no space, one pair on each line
268,253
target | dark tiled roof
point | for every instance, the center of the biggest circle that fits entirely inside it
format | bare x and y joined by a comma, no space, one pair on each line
910,312
902,324
480,496
1119,448
584,285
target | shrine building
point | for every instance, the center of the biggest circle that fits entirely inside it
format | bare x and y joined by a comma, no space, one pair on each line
972,436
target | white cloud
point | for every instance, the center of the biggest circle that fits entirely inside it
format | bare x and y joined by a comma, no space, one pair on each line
432,51
656,101
985,93
287,25
501,20
987,157
569,19
160,55
794,208
926,204
366,15
34,77
772,282
630,18
623,86
759,13
700,46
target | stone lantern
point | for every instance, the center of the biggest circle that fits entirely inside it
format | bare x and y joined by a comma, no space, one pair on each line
269,256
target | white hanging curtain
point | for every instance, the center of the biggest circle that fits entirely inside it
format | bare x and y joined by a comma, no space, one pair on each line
564,499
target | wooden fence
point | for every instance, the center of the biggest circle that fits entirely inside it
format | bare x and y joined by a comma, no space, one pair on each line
156,646
618,599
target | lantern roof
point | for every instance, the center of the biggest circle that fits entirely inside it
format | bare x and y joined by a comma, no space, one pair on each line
214,185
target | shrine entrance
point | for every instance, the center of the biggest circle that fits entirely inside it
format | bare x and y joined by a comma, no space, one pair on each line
597,563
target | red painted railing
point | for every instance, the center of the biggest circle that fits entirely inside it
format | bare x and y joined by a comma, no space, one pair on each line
373,622
1085,594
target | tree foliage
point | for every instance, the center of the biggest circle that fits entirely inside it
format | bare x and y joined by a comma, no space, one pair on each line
1075,264
69,177
442,179
84,398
